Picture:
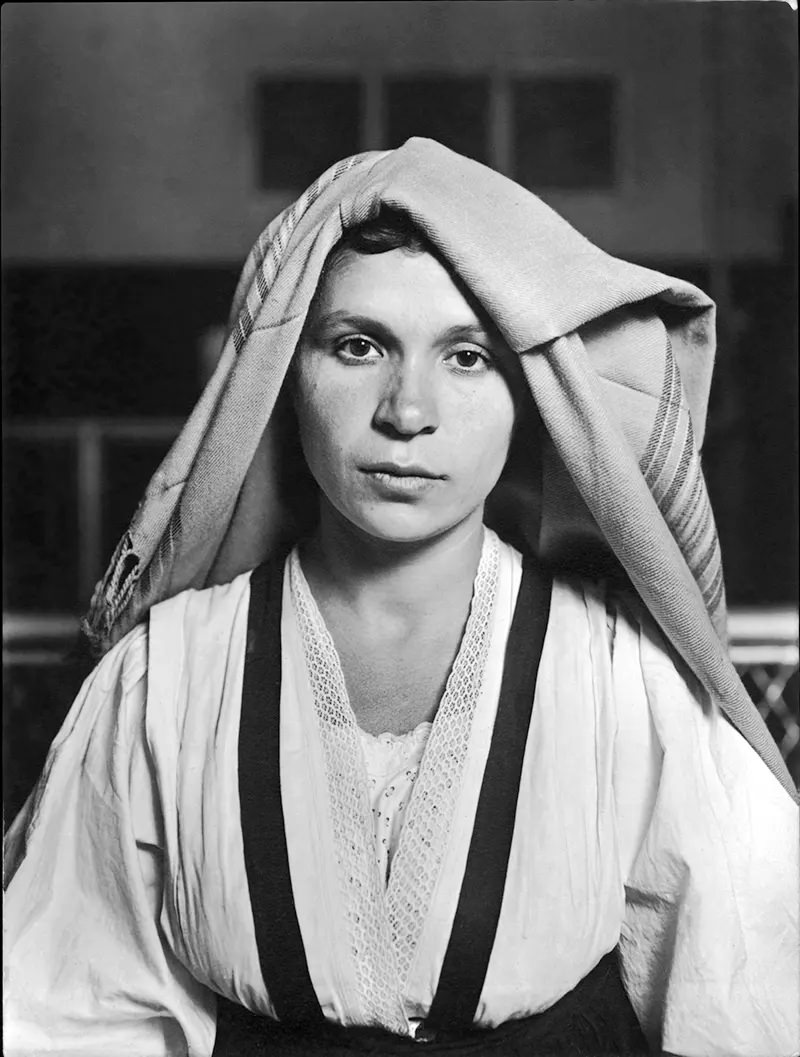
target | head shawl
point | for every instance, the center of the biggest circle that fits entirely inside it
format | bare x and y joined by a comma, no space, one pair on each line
618,359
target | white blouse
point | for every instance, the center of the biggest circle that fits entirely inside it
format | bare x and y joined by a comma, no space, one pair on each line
644,819
392,764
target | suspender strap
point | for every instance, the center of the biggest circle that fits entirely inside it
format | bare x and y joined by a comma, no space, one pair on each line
280,945
475,923
278,938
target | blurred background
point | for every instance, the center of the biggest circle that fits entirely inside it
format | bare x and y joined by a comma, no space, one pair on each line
145,145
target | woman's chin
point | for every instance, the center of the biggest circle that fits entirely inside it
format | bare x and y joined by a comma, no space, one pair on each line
406,525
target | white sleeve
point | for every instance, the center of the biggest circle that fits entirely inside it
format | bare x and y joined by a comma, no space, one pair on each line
710,844
87,971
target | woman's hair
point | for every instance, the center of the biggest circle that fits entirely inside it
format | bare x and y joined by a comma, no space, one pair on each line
389,230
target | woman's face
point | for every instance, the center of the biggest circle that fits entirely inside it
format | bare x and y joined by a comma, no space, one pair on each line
405,419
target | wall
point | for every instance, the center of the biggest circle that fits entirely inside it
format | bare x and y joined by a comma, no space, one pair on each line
127,127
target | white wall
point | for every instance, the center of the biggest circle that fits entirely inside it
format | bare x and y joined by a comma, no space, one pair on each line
127,127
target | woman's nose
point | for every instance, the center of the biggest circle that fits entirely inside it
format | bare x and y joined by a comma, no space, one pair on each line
408,405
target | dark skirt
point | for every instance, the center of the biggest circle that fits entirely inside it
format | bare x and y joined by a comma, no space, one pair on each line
595,1019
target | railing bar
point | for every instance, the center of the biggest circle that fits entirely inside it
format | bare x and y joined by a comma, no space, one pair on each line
29,625
118,429
747,656
19,627
13,658
770,623
789,740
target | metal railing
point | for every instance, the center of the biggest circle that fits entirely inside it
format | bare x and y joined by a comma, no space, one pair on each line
764,648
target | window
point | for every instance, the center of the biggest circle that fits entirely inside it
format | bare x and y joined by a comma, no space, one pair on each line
558,132
303,127
563,133
452,110
128,464
40,523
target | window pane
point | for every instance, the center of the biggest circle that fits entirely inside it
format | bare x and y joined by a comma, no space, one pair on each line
563,133
100,339
128,467
304,126
40,525
453,110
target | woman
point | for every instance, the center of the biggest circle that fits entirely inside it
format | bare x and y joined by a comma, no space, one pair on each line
415,781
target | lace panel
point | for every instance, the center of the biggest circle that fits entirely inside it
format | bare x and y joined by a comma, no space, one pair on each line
423,840
384,927
350,816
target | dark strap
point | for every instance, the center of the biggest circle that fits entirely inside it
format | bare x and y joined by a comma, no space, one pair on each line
475,923
280,944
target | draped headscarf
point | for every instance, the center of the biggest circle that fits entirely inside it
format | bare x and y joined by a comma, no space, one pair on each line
618,359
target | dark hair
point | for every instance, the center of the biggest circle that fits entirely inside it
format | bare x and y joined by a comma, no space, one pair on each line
389,230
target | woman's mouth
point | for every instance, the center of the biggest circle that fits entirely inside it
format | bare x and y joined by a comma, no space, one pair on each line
402,480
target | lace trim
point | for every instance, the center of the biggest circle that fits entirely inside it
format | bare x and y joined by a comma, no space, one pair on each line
350,816
428,822
384,928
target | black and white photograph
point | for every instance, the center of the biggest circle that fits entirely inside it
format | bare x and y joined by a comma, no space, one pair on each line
400,528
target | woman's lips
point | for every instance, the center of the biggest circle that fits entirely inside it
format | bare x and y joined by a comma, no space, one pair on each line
399,469
405,481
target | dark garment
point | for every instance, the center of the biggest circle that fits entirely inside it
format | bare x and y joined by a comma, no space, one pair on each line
595,1019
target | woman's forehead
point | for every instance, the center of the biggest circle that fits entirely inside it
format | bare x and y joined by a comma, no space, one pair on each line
399,288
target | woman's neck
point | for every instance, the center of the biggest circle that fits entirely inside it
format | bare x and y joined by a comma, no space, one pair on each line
401,581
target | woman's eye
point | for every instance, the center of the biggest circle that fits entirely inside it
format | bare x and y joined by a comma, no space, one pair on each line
356,349
470,359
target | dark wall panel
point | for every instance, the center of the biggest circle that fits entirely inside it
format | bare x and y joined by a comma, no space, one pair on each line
106,339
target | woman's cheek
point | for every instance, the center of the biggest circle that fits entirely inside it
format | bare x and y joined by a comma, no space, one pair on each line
323,436
487,423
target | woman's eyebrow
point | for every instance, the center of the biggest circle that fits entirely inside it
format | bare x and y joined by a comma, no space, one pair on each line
468,332
457,332
342,317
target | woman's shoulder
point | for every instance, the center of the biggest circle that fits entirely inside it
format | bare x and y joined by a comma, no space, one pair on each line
197,619
187,615
196,653
201,604
175,635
